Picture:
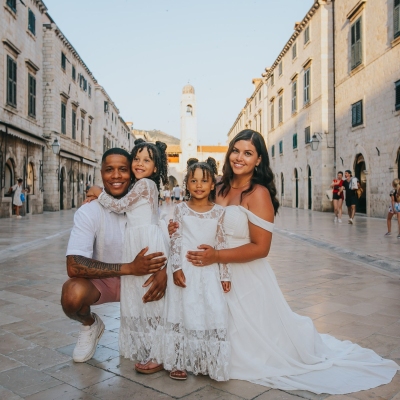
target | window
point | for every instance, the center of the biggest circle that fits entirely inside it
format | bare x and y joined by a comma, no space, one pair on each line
259,93
73,73
396,19
281,147
307,135
272,115
307,34
282,185
106,106
82,130
12,4
83,83
307,86
90,135
294,51
280,68
397,95
31,96
280,109
273,151
63,61
31,21
294,141
63,118
356,44
294,96
90,90
11,82
73,124
357,113
272,80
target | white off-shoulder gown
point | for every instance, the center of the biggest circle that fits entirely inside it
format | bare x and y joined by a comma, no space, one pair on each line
273,346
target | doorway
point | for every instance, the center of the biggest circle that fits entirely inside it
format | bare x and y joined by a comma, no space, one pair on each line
359,170
62,180
296,180
309,187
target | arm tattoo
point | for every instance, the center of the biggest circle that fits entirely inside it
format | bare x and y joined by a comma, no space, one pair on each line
94,264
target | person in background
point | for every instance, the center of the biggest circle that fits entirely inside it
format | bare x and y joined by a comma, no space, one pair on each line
394,207
351,195
17,202
337,198
176,193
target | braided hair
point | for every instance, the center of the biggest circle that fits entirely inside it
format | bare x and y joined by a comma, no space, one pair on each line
157,153
262,174
209,168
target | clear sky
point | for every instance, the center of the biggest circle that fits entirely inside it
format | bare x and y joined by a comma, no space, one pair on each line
144,51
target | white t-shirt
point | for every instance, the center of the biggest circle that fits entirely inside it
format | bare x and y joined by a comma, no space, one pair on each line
177,191
97,233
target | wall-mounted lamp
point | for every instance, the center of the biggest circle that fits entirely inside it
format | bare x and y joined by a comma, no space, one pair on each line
315,141
56,147
341,160
379,153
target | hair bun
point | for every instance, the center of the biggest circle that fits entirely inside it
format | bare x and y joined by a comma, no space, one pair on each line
192,161
213,164
161,145
138,141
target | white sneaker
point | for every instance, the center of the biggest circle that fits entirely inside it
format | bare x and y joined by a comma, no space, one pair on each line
335,220
351,221
18,216
88,338
340,221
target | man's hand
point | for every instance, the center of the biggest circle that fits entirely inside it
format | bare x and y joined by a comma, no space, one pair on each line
179,278
158,283
144,265
206,256
172,227
226,286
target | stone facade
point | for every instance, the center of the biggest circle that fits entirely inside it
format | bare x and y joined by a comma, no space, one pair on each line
21,103
336,83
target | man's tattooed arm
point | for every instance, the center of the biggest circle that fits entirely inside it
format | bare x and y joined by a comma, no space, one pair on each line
83,267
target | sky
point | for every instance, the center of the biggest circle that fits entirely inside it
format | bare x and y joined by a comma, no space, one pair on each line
144,51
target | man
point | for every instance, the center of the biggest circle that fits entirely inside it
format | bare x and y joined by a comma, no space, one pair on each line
351,195
177,193
94,258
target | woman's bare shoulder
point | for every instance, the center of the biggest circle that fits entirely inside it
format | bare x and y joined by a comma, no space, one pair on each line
259,203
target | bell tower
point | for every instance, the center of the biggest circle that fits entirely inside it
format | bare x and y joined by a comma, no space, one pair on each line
188,125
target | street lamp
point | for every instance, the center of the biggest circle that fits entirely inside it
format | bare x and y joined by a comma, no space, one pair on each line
56,147
314,142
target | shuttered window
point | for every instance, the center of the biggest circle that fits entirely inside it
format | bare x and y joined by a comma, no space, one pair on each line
294,51
31,96
307,135
73,73
82,130
281,147
73,124
11,82
272,115
396,19
273,150
63,118
295,141
31,22
307,35
280,108
294,96
272,80
357,113
63,61
307,86
12,4
356,44
397,95
280,68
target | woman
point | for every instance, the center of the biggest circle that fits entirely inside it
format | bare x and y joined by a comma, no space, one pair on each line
17,202
394,207
272,345
337,196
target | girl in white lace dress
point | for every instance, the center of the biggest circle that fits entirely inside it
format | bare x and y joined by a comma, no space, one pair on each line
193,335
139,320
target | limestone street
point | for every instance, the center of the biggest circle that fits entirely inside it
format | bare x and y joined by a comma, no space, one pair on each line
345,277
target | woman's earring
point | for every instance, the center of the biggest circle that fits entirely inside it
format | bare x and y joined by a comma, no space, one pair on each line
255,169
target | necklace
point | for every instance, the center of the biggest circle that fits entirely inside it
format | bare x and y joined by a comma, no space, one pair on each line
239,187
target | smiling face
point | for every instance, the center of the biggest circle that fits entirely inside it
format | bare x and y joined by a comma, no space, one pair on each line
244,158
142,164
116,175
200,184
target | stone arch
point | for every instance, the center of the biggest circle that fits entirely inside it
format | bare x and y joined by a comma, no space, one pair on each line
30,178
10,177
361,172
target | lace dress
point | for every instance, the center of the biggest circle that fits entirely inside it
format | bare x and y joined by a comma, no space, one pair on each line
193,335
275,347
139,321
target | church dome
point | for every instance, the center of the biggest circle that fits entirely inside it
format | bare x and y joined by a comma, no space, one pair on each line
188,89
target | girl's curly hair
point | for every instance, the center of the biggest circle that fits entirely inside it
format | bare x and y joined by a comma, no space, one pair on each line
209,168
157,152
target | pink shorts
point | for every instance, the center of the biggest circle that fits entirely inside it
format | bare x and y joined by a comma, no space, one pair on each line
109,288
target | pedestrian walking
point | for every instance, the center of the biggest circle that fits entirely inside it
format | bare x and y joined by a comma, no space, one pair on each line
394,207
176,192
19,196
351,186
337,196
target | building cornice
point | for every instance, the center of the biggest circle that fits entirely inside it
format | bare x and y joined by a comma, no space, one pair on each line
12,47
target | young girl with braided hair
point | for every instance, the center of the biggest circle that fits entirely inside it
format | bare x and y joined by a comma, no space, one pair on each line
139,320
193,333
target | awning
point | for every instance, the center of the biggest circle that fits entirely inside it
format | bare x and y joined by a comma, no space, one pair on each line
32,139
71,156
88,162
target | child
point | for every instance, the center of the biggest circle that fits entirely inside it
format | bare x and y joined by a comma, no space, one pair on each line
394,207
193,334
139,321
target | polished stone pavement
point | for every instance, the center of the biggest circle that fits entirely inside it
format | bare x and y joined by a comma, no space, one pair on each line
345,277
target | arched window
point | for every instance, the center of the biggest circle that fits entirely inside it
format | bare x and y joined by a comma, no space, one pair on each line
9,174
189,109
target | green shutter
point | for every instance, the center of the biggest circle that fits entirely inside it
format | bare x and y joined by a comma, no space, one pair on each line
398,95
396,19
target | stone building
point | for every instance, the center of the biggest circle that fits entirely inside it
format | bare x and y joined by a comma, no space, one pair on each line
21,102
367,69
333,103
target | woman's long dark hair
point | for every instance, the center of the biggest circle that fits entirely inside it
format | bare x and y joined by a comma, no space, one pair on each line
157,153
262,174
